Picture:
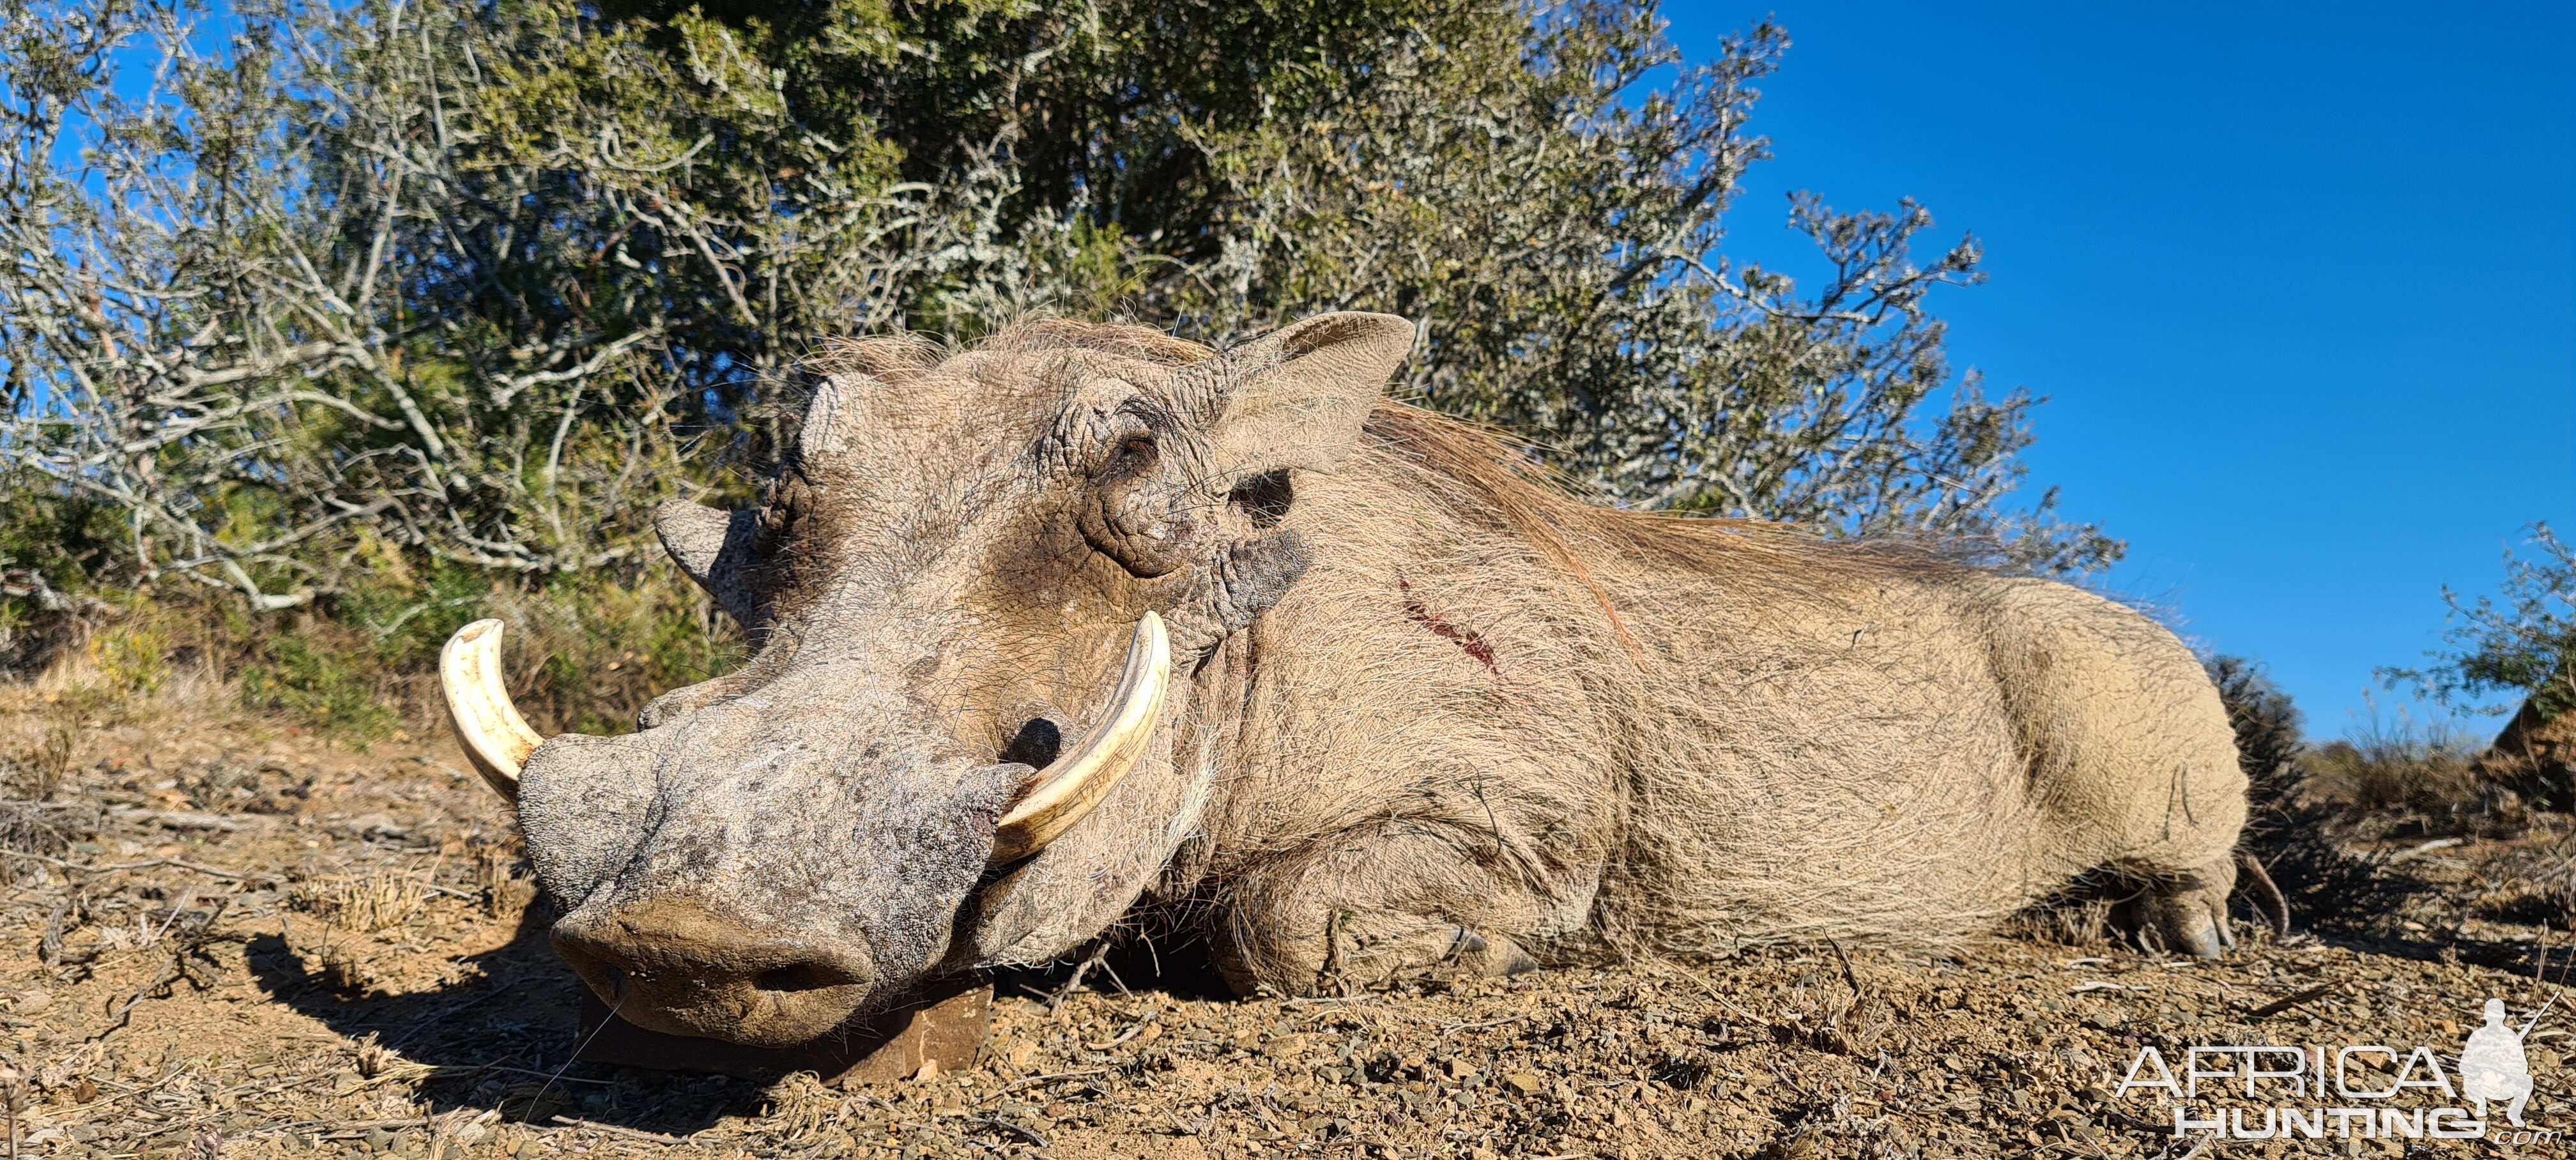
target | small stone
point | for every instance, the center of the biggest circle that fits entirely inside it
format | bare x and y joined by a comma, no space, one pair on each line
377,825
32,1002
1524,1083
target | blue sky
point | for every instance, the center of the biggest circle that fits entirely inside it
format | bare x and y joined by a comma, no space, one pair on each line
2299,281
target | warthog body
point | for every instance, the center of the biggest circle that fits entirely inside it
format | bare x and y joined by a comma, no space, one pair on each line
1424,711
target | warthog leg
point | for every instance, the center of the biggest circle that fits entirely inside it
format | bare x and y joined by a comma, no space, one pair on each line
1357,916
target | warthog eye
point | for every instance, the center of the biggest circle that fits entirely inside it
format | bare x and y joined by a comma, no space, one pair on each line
1035,745
1136,456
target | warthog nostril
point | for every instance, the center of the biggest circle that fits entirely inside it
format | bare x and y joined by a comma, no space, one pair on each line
1036,744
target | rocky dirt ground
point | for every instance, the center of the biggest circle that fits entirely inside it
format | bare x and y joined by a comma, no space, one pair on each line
224,939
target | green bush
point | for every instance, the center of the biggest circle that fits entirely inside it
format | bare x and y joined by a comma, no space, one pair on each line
2520,642
331,689
597,651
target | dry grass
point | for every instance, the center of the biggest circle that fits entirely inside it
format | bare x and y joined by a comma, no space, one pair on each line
362,903
499,882
2083,924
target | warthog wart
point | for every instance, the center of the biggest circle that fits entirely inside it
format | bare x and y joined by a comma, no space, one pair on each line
1087,622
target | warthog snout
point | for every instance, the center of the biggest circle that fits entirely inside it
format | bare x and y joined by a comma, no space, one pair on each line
763,867
675,966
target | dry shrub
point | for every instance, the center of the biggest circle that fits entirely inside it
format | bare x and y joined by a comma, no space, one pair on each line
2081,924
805,1110
33,768
361,903
45,829
503,891
30,771
1854,1027
2534,886
2406,767
373,1057
342,969
588,655
584,653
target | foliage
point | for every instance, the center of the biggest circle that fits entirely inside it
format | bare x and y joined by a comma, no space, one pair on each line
308,679
2522,641
398,309
2267,727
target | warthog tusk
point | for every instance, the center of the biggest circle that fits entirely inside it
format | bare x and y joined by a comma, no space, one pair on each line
495,737
1072,784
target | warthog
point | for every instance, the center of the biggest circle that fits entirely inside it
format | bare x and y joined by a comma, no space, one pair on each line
1089,622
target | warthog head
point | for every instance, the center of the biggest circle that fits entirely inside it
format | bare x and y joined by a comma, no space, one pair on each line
978,591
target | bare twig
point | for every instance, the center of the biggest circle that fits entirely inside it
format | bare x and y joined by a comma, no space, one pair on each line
621,1133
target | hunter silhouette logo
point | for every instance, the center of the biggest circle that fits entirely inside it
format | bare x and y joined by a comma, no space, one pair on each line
2493,1066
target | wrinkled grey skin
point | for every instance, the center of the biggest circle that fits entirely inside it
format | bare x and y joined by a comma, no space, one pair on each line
1424,714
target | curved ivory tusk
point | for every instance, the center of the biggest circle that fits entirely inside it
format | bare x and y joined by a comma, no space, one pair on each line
495,737
1072,784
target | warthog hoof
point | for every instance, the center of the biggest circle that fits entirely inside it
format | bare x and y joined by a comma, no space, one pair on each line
1490,956
2189,911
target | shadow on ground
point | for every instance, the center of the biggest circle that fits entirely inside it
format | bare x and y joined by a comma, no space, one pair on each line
502,1038
505,1035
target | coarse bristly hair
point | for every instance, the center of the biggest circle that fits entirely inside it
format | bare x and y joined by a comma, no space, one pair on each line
1700,734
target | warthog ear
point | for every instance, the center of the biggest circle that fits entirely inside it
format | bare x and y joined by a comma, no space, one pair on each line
714,548
836,410
1297,396
694,535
